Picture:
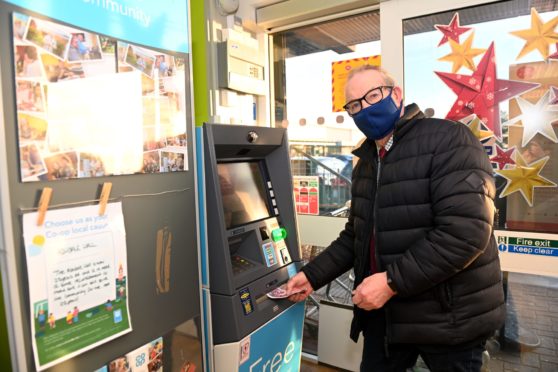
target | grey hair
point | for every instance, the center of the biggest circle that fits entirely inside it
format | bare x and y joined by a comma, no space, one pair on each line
386,76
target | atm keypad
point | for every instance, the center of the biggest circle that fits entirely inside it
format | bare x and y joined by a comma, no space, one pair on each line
240,264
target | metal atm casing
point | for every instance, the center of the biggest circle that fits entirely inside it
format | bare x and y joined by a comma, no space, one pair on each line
239,303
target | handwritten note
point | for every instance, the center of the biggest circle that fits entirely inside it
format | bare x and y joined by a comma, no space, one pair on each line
78,280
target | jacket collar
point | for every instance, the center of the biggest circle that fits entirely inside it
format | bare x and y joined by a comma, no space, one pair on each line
411,114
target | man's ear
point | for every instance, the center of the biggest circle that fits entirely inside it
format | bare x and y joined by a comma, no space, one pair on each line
397,94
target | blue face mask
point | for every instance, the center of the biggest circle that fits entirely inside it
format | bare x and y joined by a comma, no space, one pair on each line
378,120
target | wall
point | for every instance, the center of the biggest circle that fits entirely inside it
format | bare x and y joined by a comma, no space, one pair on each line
224,105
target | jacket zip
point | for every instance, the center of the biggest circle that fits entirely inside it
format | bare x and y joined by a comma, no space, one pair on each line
366,245
377,256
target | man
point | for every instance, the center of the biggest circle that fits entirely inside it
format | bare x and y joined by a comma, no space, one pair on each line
31,64
82,48
74,53
419,236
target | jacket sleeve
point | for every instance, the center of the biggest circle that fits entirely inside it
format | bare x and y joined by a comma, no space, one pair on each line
334,260
461,193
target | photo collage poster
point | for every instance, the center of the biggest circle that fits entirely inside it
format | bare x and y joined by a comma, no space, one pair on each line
92,106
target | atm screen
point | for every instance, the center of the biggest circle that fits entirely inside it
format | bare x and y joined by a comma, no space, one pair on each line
243,192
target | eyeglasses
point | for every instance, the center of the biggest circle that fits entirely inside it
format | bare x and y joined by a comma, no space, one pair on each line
371,97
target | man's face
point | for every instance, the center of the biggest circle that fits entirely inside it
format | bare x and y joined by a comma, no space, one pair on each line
363,82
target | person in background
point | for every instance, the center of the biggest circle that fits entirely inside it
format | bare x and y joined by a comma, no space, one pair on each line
25,130
419,236
41,318
82,48
49,43
161,65
140,63
31,63
75,315
73,51
52,321
536,149
19,28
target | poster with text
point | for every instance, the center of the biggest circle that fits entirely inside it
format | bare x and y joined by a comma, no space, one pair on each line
307,194
77,276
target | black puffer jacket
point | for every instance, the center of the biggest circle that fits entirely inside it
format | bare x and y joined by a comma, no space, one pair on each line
433,213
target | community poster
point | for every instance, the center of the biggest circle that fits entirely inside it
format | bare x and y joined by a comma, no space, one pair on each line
77,277
93,106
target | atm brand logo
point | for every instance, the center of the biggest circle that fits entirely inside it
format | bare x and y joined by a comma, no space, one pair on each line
280,359
277,346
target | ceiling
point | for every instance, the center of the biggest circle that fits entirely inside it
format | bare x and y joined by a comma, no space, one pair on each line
261,3
341,35
479,14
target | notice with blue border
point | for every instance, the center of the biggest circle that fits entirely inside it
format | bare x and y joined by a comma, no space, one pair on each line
528,252
531,246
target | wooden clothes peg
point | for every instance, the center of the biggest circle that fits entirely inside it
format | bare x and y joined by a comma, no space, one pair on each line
103,200
43,205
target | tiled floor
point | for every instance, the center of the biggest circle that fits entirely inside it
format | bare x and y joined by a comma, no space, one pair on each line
531,326
531,342
311,366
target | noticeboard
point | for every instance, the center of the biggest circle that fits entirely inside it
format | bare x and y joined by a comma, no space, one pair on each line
89,105
128,75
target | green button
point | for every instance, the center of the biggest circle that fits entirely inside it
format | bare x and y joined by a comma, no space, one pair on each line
278,234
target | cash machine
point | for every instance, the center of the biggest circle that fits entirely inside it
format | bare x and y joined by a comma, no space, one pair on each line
252,248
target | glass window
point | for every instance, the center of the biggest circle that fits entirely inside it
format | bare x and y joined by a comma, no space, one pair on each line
310,68
499,76
310,65
494,68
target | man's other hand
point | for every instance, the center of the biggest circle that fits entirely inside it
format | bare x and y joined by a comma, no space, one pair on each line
373,292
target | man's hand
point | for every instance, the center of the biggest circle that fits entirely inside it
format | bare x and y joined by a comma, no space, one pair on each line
299,286
373,292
